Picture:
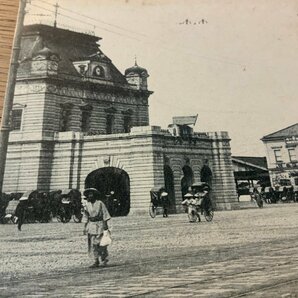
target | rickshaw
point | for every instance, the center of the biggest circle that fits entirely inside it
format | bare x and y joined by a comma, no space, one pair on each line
156,201
204,205
70,206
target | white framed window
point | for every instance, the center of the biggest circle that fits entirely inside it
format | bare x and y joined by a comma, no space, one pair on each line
277,154
16,119
292,154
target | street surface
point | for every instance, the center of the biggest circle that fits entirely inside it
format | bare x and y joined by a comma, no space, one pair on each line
244,253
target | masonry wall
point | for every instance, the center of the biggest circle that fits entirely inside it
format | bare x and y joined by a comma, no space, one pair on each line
66,161
223,182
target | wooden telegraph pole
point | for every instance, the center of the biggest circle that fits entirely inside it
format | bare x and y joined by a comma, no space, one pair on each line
9,95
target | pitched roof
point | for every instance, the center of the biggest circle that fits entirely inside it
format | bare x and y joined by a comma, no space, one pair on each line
253,161
283,133
69,45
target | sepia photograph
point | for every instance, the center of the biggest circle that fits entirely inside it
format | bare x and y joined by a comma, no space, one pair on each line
148,148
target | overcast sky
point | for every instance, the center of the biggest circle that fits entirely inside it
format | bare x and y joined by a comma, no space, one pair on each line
236,67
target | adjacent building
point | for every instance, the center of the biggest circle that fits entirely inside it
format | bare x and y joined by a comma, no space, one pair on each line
282,152
78,122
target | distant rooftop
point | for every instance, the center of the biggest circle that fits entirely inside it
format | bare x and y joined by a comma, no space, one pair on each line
260,162
283,133
69,45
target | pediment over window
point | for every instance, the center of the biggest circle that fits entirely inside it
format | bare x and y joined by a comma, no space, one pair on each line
66,105
127,112
18,106
86,106
110,110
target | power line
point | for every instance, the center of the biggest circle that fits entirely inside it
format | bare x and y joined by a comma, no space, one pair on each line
219,60
96,20
83,22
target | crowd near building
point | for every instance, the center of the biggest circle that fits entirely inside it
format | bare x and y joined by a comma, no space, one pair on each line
78,122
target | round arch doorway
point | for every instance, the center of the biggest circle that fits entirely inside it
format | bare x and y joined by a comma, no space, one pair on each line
114,185
187,179
169,186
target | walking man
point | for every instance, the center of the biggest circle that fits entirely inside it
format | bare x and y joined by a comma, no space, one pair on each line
95,218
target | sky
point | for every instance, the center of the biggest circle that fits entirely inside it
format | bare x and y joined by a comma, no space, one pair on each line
232,62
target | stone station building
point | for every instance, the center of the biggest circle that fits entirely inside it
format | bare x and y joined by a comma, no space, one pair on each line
78,122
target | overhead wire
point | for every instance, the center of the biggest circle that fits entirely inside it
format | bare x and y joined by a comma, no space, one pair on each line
91,18
216,59
91,24
83,22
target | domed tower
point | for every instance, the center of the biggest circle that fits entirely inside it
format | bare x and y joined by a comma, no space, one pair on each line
137,76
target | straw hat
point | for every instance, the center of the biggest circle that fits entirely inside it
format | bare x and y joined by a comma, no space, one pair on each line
88,190
188,195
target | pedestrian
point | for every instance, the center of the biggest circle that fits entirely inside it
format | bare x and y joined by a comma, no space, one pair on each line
165,203
21,209
95,218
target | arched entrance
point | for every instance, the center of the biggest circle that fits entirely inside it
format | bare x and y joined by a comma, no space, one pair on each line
187,179
169,186
114,185
206,175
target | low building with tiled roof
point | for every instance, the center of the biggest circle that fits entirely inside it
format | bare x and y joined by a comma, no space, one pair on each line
250,170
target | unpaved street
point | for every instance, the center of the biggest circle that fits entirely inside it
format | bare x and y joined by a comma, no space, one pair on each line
247,253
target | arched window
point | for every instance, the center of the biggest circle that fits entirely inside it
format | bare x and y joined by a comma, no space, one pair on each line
65,117
110,120
127,120
86,115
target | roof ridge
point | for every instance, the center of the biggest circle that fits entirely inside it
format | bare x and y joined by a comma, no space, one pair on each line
266,136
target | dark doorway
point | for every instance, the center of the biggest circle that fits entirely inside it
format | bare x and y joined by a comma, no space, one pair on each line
169,186
206,175
114,186
187,179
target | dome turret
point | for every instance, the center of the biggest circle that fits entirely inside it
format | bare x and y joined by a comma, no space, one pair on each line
137,76
136,69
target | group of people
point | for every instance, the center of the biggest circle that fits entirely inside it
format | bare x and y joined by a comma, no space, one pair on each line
193,202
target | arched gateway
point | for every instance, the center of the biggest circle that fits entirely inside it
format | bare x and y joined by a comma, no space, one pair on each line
114,185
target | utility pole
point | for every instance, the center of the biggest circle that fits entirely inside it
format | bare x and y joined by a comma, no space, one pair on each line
9,94
56,14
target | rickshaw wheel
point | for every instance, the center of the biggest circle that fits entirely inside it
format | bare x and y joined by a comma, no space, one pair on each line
65,219
152,210
77,219
14,220
209,215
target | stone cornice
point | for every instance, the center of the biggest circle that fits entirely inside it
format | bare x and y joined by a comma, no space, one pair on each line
76,92
87,85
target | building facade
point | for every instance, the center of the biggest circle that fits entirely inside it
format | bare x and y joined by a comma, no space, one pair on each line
78,122
282,152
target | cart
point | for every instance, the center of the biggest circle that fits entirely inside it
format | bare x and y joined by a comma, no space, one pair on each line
204,205
155,195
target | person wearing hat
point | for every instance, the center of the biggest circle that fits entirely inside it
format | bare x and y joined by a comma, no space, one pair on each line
95,219
190,203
